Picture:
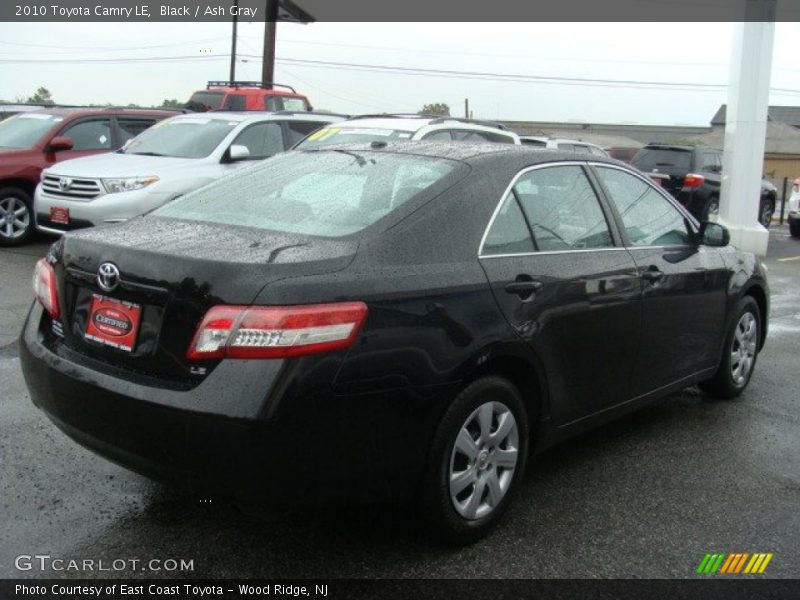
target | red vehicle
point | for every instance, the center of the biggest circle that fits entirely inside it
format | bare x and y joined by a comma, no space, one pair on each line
247,95
32,141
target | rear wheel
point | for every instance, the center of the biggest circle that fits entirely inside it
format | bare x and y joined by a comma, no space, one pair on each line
711,209
766,212
16,216
476,462
739,354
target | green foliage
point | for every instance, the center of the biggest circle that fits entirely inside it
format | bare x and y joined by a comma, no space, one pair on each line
172,103
439,109
41,96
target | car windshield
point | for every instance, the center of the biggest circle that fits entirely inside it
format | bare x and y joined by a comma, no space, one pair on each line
182,137
330,193
23,131
352,135
648,159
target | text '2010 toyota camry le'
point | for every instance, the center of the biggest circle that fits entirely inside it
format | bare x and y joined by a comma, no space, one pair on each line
386,322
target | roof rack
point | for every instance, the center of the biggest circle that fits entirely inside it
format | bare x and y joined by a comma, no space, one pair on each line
264,85
436,119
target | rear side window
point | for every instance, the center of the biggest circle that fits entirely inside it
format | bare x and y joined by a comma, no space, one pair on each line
649,218
130,128
562,209
327,193
90,135
509,233
235,102
262,140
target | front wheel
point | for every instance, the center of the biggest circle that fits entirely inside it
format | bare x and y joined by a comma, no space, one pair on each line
739,353
711,208
476,462
16,216
766,212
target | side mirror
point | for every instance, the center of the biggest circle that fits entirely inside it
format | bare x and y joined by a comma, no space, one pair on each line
60,142
238,152
714,234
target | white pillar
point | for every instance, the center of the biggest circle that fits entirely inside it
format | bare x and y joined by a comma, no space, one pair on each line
746,125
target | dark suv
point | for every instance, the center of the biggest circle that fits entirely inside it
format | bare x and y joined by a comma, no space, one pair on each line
695,176
32,141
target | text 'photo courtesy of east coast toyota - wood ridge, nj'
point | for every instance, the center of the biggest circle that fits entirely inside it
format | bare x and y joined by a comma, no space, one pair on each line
399,300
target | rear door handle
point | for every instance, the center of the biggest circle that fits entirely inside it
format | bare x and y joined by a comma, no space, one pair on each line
653,273
524,287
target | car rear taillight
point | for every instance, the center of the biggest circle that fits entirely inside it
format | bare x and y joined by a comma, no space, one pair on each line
276,331
44,287
693,181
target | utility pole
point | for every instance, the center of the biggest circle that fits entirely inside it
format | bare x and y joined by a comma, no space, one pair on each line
270,29
233,40
466,108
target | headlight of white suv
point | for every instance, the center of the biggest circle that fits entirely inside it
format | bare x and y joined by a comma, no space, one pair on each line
128,184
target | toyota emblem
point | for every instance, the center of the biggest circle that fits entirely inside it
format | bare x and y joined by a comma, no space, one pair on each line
64,183
108,276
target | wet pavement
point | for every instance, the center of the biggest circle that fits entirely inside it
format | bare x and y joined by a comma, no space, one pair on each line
646,496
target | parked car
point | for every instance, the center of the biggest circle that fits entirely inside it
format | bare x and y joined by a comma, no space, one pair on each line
563,144
247,95
695,178
33,140
179,155
623,153
793,209
367,128
399,322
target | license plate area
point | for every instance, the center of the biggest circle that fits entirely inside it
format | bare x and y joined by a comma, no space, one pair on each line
59,215
113,322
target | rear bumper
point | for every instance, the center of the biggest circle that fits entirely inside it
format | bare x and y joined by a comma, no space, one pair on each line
227,434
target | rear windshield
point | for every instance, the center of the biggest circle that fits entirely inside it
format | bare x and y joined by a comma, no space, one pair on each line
210,100
23,131
648,159
181,137
352,135
330,194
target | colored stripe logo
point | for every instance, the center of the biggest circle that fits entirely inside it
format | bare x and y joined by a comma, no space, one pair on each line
734,563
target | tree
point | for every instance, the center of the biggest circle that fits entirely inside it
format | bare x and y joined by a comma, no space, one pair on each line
439,109
42,96
172,103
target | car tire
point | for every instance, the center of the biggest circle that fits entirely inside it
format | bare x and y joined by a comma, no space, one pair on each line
794,229
16,216
484,473
766,210
739,353
711,208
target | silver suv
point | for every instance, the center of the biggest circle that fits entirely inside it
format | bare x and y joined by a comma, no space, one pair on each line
563,144
173,157
370,128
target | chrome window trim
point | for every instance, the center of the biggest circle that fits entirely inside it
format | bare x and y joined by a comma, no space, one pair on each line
564,163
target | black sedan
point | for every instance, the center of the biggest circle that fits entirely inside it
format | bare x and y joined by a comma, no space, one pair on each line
386,322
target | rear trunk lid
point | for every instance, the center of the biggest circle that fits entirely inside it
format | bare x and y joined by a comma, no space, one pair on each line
170,272
676,163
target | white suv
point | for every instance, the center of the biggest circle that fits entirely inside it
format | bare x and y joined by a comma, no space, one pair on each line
370,128
173,157
562,144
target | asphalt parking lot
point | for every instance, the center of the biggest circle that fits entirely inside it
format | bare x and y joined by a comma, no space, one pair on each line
645,497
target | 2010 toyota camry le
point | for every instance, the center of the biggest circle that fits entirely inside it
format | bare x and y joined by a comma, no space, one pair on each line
387,322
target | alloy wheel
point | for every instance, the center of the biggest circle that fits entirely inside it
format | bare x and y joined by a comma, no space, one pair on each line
743,348
15,217
766,215
483,460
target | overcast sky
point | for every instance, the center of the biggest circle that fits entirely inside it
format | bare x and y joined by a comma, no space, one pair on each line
664,52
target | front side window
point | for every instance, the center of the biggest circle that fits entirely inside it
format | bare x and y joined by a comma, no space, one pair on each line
562,209
649,218
182,137
90,135
329,193
262,140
